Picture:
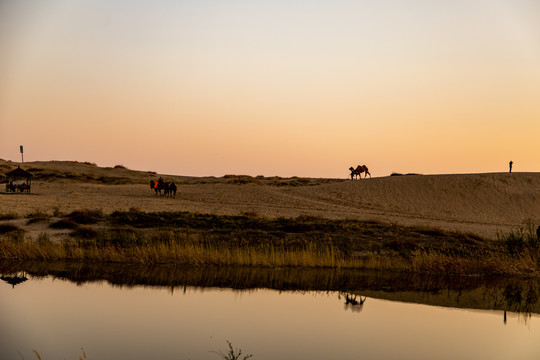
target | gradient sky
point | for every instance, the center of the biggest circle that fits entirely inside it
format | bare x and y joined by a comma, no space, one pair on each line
288,88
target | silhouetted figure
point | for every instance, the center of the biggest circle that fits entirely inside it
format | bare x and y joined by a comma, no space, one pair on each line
358,171
510,164
505,317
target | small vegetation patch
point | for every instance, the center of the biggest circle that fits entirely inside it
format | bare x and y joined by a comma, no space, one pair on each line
85,233
36,220
399,174
241,179
63,224
7,228
43,239
86,217
8,216
10,233
37,214
276,180
521,240
111,180
89,173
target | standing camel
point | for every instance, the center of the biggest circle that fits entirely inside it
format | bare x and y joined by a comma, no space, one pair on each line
169,188
172,189
358,171
158,186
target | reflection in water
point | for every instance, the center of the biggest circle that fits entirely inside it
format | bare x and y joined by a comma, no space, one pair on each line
14,279
352,302
119,313
490,293
521,297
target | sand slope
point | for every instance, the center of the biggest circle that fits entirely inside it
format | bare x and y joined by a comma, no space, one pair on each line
480,203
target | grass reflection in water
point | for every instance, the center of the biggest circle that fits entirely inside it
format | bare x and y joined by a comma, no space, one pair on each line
475,292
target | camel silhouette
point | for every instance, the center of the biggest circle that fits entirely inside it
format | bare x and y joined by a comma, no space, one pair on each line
358,171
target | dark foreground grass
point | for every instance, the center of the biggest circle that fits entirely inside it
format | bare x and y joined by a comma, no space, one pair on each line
184,238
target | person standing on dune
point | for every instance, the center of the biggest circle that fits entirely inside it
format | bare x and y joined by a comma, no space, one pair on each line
510,164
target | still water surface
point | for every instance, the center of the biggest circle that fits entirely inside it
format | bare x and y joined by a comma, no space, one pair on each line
58,317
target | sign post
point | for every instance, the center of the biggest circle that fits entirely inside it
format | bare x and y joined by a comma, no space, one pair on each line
22,156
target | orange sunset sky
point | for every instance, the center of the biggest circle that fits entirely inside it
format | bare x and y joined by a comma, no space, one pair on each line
288,88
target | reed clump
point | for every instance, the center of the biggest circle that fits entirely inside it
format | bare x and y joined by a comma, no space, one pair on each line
522,240
172,247
184,238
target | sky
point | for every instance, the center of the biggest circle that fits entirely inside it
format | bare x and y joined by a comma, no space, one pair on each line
286,88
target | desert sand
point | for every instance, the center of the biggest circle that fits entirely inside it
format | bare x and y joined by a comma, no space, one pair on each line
478,203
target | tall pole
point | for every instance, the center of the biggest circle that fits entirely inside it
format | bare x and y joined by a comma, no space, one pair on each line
22,155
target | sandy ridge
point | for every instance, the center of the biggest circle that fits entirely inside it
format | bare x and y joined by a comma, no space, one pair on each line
479,203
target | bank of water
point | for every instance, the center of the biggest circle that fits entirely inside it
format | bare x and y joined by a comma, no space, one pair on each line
188,313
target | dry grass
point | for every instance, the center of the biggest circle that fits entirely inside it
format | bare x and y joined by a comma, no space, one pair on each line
490,263
169,247
38,356
186,252
8,216
185,238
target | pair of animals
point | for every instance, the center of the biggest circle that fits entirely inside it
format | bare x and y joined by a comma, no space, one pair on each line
168,188
358,171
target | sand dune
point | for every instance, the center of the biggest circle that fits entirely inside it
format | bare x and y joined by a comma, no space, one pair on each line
479,203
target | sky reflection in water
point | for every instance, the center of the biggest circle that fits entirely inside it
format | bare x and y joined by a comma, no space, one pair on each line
57,318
